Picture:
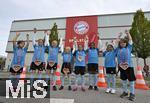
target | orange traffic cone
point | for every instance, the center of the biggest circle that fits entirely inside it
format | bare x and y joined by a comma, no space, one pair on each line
57,75
101,78
140,82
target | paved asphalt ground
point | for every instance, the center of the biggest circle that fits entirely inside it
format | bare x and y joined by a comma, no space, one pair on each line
66,96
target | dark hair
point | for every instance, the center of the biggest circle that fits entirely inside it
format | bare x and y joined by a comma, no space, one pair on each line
92,43
108,46
124,40
20,41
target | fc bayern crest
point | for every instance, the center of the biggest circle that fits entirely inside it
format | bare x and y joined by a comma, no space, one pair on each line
81,27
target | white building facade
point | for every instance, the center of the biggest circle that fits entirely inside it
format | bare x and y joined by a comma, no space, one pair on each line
109,25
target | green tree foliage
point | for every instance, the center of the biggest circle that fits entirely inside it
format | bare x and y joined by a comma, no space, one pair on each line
140,33
53,34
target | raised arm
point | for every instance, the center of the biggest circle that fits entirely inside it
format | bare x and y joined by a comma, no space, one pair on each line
86,40
27,45
75,45
60,43
15,39
116,41
100,44
46,42
129,36
34,34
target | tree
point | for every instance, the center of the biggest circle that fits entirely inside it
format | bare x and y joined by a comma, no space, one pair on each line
53,34
140,32
2,62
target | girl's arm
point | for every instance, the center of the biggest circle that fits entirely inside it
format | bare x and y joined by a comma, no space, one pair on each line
116,41
62,48
86,43
27,45
46,42
60,44
75,45
15,39
129,37
100,44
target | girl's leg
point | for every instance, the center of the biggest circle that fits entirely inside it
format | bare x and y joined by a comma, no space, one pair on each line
95,79
125,86
132,93
40,75
108,76
83,80
95,82
54,79
113,81
12,78
69,80
32,77
77,77
63,79
91,80
132,87
47,76
17,80
63,82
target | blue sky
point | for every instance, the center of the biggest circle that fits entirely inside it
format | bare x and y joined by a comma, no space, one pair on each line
30,9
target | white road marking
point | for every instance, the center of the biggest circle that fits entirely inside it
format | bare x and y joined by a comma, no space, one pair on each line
54,100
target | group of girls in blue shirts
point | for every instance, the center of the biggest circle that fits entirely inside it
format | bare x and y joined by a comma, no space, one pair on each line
117,55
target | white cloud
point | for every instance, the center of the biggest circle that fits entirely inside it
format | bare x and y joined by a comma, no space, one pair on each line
28,9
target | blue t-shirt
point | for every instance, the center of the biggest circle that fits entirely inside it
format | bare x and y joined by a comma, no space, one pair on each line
110,58
53,54
19,56
39,53
124,55
93,55
80,58
67,57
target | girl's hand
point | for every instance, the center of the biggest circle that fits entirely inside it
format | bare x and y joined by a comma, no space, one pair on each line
126,31
17,34
86,38
34,30
48,32
45,31
27,35
74,39
106,43
120,34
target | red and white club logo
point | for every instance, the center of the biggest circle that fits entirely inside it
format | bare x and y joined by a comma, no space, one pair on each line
81,27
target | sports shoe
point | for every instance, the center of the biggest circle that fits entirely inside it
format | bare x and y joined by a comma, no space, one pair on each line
108,90
90,87
61,88
124,94
46,88
75,89
69,88
131,97
54,88
83,89
95,88
113,91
